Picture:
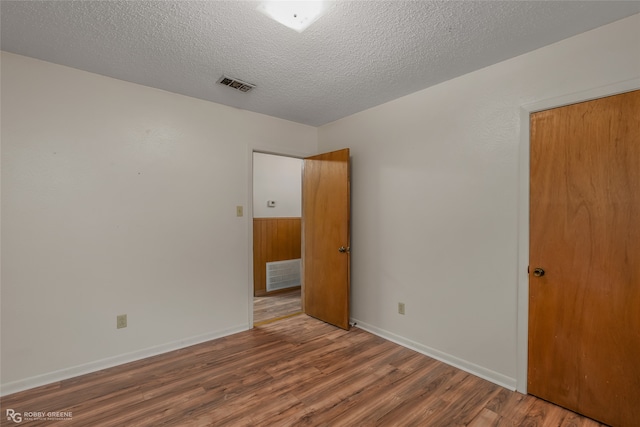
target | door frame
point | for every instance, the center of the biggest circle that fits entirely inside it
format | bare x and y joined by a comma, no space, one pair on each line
248,212
524,155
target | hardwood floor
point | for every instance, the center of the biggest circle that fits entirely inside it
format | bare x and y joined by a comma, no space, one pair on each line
266,308
294,372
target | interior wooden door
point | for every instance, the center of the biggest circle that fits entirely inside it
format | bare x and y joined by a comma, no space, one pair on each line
584,285
325,237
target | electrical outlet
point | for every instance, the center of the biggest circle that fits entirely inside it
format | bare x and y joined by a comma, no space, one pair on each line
400,308
121,321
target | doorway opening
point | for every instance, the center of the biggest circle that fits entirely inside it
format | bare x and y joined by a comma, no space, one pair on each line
277,206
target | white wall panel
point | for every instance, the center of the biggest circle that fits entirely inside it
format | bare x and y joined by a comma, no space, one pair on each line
435,198
279,179
118,198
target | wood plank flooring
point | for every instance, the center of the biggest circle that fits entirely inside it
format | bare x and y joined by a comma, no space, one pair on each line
276,306
294,372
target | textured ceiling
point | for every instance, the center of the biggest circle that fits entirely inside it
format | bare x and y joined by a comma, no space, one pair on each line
358,55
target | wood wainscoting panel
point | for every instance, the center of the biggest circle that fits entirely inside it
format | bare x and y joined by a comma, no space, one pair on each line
274,239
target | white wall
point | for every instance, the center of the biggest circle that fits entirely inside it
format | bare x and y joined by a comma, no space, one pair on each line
119,198
277,178
435,197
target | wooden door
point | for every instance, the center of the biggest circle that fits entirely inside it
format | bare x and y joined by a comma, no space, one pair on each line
325,237
584,310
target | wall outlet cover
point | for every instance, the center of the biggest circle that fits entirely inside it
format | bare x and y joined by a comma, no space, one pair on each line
121,321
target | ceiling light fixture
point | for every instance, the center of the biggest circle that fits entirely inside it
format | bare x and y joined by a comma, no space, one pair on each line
297,15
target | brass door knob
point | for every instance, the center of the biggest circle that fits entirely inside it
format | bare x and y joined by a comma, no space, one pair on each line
538,272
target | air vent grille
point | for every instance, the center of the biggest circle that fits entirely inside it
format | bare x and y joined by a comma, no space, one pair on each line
236,84
283,274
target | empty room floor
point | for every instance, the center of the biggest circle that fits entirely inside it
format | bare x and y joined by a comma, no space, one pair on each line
293,372
276,306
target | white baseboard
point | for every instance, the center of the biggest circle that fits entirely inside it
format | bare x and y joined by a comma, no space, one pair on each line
63,374
109,362
472,368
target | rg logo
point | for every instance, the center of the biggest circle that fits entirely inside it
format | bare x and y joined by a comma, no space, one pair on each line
14,416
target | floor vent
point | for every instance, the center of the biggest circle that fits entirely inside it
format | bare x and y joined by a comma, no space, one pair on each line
236,84
283,274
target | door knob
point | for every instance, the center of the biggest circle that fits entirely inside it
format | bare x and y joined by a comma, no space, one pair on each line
342,249
538,272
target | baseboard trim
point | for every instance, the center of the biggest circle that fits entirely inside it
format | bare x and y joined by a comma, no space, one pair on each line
109,362
472,368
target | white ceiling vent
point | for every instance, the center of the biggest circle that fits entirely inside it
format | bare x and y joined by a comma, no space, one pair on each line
236,84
